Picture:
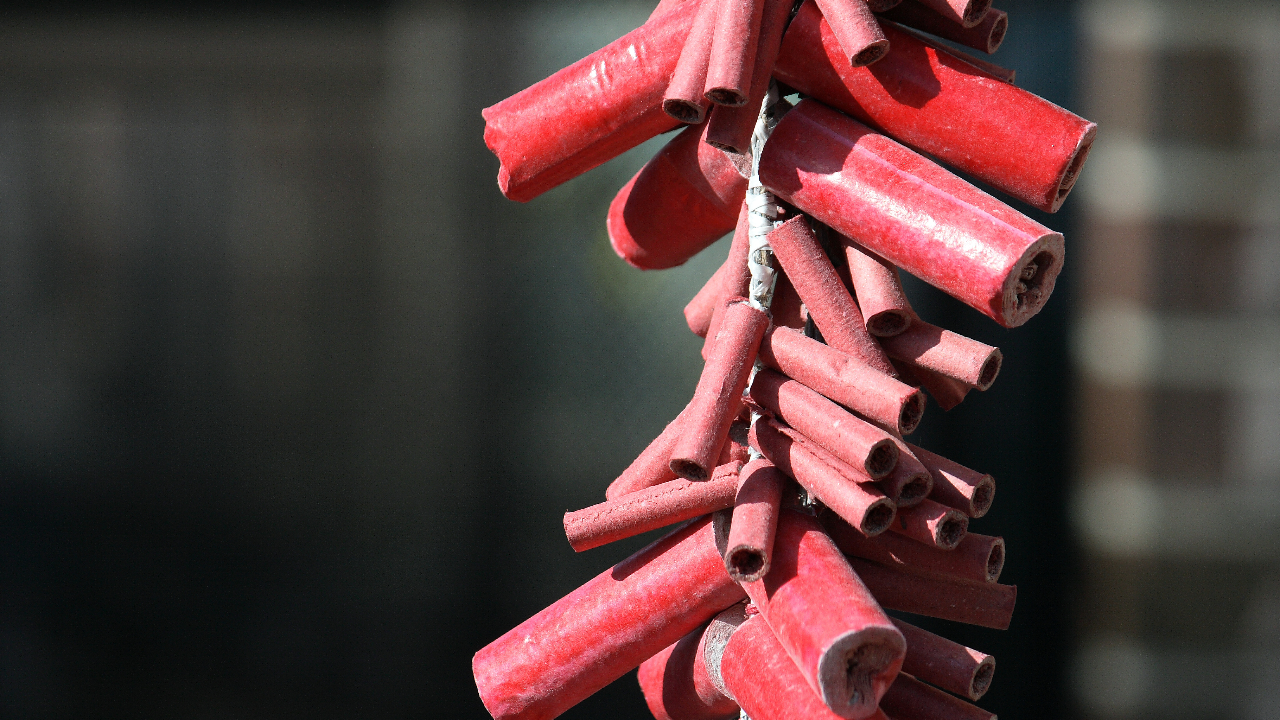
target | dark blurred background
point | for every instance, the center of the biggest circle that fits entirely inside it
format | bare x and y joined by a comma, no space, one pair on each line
292,399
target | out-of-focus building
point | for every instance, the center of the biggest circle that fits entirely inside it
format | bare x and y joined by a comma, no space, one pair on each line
1177,349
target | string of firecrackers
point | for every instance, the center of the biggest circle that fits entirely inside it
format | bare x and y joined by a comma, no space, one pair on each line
768,601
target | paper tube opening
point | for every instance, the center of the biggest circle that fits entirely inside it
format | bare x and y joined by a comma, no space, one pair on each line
990,369
982,676
998,30
871,53
878,517
1072,172
974,12
952,531
747,564
912,413
684,111
882,459
995,561
915,490
983,495
850,666
888,323
689,469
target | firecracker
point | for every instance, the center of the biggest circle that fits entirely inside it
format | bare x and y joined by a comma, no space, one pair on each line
816,132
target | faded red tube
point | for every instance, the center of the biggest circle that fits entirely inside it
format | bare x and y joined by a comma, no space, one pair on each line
731,279
676,682
652,466
910,482
681,201
856,29
949,354
826,619
975,559
731,128
968,491
987,604
947,392
962,12
588,113
863,505
597,633
651,508
910,699
986,36
816,281
826,424
954,236
946,664
733,54
878,287
718,397
883,400
749,549
767,684
683,99
931,523
1022,144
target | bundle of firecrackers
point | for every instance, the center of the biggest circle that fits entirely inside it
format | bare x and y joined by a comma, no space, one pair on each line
816,132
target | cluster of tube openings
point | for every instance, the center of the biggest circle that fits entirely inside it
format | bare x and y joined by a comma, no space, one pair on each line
801,513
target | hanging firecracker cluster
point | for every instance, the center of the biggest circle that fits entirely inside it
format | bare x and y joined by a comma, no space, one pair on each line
805,512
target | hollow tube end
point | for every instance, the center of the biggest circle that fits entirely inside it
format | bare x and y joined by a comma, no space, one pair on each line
878,517
995,560
882,459
855,670
915,490
912,413
951,530
983,495
870,54
746,564
689,469
990,369
982,676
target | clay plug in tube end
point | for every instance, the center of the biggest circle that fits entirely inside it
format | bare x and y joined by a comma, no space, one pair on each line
852,665
1073,167
1029,286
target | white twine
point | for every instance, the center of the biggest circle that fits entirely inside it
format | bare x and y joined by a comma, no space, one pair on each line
762,218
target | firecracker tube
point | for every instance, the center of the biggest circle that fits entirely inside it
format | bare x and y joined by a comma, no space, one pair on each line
599,632
733,54
651,508
676,683
683,99
950,354
912,212
749,548
587,113
863,505
731,279
910,699
718,397
831,427
946,664
986,604
855,29
683,200
1017,142
947,392
731,127
816,281
873,395
985,37
826,619
876,282
910,482
932,523
766,683
968,491
975,559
